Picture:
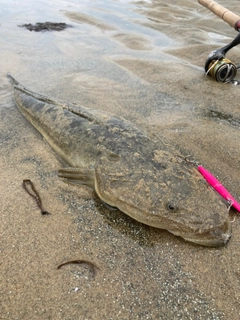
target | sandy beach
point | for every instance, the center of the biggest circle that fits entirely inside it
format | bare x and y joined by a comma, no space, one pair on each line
144,61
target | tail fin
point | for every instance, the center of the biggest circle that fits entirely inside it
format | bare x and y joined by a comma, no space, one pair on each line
13,80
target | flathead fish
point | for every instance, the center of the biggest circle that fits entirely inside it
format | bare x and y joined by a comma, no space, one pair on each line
142,177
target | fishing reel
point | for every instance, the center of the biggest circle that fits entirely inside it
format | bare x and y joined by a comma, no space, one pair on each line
220,68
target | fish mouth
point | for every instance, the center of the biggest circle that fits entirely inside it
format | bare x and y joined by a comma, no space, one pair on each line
216,237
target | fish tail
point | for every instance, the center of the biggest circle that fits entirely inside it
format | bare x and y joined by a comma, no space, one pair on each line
35,95
13,80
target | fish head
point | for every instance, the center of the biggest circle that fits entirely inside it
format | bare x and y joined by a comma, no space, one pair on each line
165,192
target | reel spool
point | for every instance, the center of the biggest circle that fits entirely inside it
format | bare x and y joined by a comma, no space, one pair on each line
217,66
221,70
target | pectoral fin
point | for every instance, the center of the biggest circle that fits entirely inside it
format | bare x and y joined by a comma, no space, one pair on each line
81,176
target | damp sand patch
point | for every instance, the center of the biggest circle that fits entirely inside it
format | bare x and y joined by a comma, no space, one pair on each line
46,26
133,41
223,116
84,18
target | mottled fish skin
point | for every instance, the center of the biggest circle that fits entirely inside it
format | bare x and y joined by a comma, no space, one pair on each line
143,178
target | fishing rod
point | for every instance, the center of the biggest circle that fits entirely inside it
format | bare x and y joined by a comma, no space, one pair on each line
217,66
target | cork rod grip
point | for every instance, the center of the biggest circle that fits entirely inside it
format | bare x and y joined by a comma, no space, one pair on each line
228,16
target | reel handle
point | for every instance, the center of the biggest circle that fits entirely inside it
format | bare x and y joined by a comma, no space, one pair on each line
219,54
228,16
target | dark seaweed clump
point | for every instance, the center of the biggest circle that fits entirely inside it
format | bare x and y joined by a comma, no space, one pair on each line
46,26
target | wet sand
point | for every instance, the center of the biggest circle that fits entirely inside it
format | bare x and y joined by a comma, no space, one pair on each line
144,61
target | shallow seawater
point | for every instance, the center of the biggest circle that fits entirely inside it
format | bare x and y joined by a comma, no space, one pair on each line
143,60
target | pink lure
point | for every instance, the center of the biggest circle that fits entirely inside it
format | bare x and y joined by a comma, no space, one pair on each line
219,187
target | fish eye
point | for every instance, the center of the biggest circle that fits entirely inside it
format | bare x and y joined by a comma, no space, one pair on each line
172,207
113,156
